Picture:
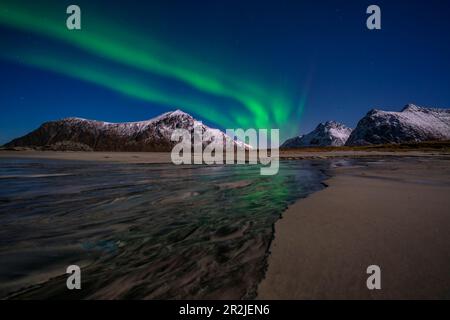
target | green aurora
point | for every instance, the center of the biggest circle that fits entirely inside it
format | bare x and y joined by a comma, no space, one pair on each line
250,104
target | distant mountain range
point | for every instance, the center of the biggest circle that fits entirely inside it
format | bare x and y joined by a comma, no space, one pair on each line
330,133
78,134
412,124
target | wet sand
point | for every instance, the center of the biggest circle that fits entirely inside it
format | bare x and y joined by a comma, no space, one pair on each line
394,214
141,231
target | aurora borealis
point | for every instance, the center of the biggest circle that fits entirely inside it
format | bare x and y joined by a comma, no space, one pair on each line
251,105
231,64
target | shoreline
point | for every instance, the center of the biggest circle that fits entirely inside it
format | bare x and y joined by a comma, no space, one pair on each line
120,157
164,157
392,213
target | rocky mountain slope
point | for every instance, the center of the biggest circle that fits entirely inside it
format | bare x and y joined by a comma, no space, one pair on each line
330,133
90,135
412,124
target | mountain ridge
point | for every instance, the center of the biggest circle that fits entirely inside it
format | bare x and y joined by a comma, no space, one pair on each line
412,124
79,134
329,133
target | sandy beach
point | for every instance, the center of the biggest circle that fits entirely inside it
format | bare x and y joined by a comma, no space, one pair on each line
123,157
394,214
390,209
164,157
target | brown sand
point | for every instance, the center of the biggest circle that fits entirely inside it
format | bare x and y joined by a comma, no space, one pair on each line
123,157
395,215
164,157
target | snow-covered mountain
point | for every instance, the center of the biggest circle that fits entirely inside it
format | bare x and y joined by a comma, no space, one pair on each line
330,133
412,124
83,134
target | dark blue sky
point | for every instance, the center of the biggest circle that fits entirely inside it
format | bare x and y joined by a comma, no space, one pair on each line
320,51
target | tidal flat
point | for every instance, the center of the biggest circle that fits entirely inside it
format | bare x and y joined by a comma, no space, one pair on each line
141,231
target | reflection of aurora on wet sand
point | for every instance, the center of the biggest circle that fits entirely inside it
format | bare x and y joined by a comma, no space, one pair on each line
142,231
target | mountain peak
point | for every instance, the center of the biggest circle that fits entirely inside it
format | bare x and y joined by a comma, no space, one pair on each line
150,135
411,108
331,124
179,112
74,119
412,124
329,133
175,113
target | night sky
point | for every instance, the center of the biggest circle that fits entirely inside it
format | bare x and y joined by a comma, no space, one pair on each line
262,64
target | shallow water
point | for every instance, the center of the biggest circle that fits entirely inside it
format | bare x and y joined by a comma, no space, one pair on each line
141,231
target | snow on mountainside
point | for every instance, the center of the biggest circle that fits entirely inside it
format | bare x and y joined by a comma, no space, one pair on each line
330,133
83,134
412,124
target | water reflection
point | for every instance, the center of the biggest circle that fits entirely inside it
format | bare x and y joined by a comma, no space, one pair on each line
141,231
